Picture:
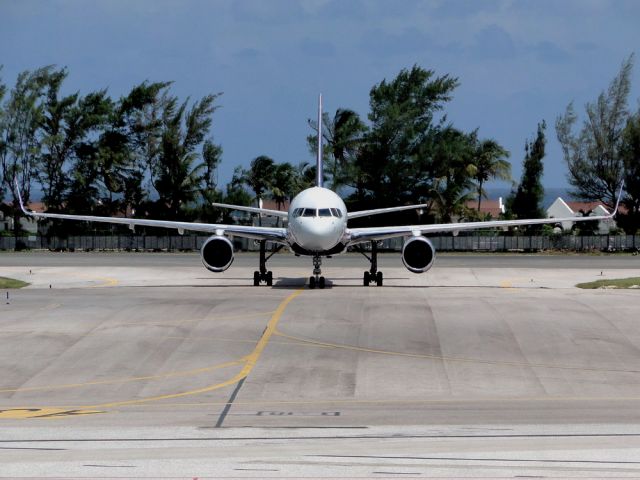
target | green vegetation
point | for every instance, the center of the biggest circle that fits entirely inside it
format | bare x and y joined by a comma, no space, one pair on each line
633,282
606,148
149,154
11,283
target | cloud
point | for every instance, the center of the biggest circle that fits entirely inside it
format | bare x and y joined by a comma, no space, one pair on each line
274,12
460,9
549,52
317,48
340,9
408,41
494,43
248,54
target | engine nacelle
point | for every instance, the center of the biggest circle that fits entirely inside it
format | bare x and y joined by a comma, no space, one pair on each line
418,254
217,253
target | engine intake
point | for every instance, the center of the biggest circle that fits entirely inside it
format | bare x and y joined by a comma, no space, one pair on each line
217,253
418,254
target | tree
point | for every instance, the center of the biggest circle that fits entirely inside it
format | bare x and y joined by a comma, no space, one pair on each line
527,200
211,157
21,120
259,176
176,173
453,155
593,153
630,153
489,162
3,90
395,165
67,122
284,183
343,136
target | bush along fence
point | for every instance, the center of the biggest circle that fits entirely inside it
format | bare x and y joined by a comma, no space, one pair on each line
441,243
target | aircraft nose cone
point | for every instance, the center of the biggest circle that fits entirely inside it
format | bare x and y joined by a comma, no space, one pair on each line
318,235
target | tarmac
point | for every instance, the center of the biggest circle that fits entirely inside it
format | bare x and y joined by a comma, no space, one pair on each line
133,365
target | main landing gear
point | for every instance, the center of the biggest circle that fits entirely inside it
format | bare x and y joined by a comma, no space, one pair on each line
264,275
316,279
373,275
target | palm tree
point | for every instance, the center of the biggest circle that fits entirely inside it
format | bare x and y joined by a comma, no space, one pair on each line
343,135
284,183
490,162
259,176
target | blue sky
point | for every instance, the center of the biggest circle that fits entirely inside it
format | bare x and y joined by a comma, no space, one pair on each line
518,62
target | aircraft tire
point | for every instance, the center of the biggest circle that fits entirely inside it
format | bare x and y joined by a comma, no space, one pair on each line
366,279
256,279
321,282
312,282
379,279
269,278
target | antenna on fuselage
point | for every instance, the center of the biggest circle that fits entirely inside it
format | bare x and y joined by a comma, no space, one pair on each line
319,159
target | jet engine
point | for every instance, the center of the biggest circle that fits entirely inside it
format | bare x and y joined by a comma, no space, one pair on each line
217,253
418,254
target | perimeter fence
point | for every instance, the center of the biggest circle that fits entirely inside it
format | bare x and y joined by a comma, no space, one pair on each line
465,243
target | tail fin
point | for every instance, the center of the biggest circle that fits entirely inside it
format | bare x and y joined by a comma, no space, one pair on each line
319,174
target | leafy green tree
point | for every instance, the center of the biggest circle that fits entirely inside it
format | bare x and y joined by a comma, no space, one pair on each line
489,162
284,183
630,153
305,176
259,176
3,89
395,164
176,172
453,155
211,157
131,144
343,137
527,200
21,120
67,123
593,153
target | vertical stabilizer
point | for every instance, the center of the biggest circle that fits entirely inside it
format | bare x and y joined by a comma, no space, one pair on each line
319,175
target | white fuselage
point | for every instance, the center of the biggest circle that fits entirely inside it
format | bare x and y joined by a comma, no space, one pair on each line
317,221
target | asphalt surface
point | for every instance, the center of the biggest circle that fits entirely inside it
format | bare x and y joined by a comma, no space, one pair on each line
136,365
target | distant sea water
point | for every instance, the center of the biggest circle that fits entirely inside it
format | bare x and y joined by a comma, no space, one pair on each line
550,194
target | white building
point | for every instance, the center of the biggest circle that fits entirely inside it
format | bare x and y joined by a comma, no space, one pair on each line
559,209
29,224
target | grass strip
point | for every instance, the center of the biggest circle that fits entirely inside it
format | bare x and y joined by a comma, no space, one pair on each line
633,282
11,283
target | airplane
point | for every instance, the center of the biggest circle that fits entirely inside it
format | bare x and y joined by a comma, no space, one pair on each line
317,227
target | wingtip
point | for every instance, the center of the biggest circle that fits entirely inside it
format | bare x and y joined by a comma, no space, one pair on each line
615,210
17,186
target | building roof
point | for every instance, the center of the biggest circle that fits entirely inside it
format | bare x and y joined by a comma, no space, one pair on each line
486,206
585,206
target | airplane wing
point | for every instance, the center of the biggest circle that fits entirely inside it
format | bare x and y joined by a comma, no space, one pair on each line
263,211
378,211
278,235
360,235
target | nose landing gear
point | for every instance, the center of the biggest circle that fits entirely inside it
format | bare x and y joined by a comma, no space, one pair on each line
316,279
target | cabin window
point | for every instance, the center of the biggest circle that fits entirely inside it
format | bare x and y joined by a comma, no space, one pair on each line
324,212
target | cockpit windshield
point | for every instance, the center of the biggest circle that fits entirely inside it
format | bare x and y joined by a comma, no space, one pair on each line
320,212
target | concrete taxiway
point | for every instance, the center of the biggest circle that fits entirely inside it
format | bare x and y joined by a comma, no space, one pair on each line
147,364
